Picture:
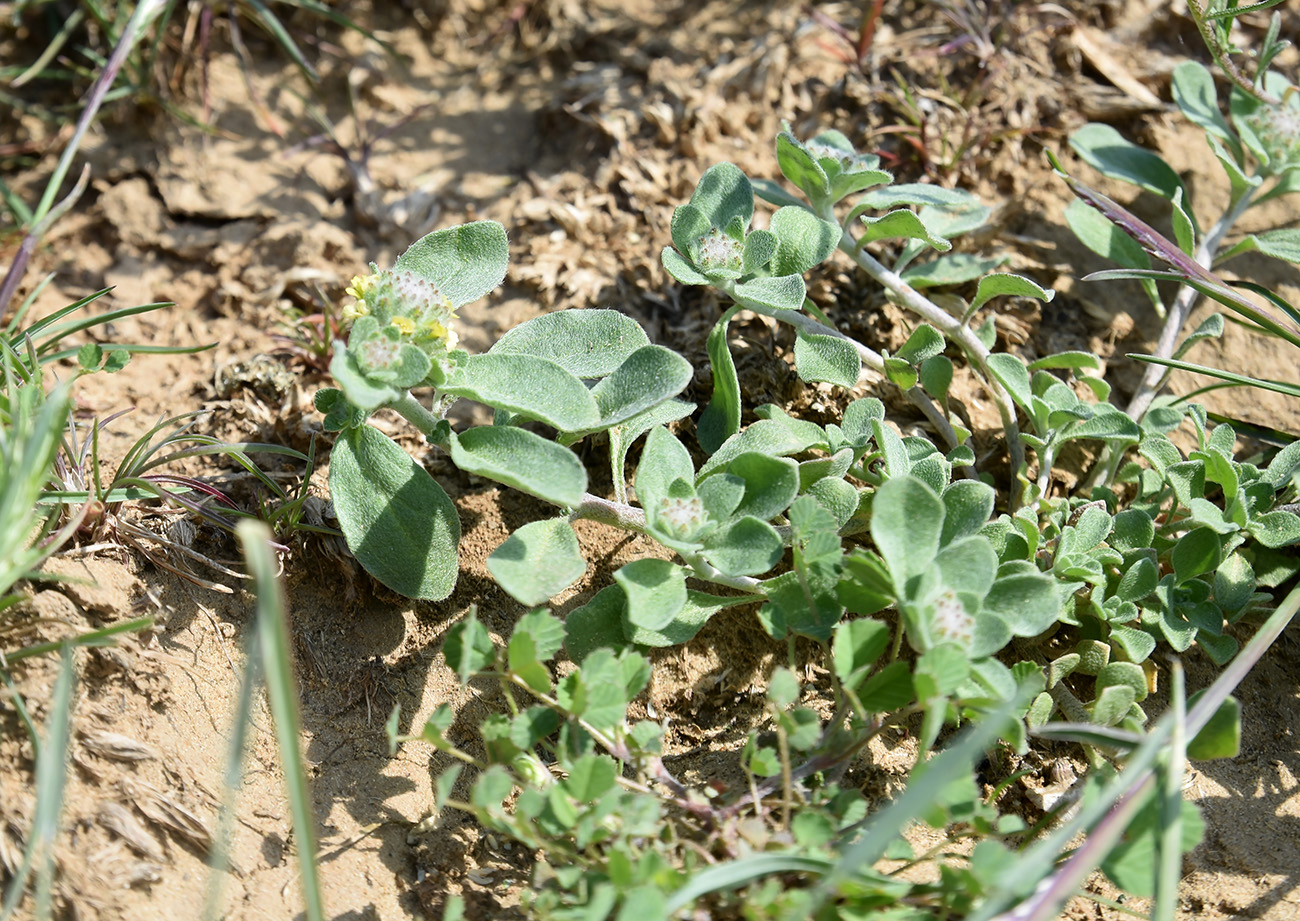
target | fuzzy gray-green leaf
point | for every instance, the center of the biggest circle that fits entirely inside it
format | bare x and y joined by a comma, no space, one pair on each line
464,262
655,590
803,240
532,387
586,343
522,459
906,521
745,547
398,521
538,561
783,292
650,375
826,358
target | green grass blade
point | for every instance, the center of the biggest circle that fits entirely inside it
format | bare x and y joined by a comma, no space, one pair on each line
234,780
1240,380
736,873
52,335
51,776
132,348
101,637
271,23
277,661
34,331
1169,862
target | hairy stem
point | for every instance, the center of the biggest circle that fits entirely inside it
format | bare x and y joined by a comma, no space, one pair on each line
955,330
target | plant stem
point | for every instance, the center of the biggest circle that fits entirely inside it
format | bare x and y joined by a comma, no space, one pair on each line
629,518
873,360
416,413
135,27
955,330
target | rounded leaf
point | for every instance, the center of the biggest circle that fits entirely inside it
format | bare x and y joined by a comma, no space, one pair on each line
522,459
586,343
538,561
464,262
397,520
532,387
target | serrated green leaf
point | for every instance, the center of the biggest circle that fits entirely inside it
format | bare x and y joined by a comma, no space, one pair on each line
598,624
468,647
400,524
888,690
538,561
857,646
590,777
522,459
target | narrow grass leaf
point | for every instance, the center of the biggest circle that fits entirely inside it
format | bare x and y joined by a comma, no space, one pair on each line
275,649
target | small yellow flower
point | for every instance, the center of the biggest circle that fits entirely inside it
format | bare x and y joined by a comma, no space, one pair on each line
360,289
404,325
361,285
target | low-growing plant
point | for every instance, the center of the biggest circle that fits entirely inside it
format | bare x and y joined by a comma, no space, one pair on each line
1053,607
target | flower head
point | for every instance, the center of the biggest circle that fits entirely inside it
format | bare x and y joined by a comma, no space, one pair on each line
847,160
359,290
715,250
952,623
682,518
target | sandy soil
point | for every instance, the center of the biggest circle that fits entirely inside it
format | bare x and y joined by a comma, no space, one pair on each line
579,126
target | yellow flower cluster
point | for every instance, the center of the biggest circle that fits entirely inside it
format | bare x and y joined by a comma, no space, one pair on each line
359,289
